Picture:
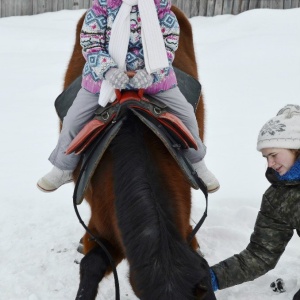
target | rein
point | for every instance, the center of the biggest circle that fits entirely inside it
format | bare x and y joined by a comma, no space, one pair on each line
203,188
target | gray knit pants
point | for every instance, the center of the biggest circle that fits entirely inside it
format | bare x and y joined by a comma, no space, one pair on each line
84,107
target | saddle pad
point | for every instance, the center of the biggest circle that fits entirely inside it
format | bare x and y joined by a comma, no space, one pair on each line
188,85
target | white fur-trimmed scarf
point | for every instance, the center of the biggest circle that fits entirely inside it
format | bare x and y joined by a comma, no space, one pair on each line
155,54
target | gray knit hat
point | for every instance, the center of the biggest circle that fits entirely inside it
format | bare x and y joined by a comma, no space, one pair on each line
282,131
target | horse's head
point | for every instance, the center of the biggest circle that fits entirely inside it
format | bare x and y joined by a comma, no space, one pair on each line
204,290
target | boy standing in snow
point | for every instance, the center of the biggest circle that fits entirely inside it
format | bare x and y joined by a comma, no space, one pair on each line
119,36
279,215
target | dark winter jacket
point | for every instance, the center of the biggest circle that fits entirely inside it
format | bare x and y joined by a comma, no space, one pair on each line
277,219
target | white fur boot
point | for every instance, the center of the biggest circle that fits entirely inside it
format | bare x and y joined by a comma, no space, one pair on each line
207,177
54,179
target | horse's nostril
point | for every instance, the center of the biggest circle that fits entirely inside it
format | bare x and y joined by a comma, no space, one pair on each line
202,288
201,292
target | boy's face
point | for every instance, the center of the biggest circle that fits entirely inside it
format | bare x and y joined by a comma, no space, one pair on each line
279,159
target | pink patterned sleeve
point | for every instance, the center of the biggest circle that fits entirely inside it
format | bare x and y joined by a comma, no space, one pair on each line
93,39
169,28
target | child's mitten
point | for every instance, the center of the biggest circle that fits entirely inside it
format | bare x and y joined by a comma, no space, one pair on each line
117,78
141,80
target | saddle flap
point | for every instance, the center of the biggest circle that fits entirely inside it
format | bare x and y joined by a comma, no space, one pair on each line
86,136
189,87
64,101
179,128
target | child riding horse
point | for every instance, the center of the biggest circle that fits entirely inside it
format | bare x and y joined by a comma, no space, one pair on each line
131,35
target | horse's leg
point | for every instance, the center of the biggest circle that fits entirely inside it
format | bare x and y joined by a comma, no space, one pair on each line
94,266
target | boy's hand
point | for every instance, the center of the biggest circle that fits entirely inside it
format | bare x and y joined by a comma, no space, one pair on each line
117,78
141,80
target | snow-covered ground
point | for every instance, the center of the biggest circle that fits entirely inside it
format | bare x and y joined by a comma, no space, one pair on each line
249,67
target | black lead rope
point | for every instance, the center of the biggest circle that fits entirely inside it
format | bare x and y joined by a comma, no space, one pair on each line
203,188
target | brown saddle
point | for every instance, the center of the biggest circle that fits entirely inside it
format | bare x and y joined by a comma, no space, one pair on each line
135,101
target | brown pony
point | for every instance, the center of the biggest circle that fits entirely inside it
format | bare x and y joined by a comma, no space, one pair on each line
140,205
